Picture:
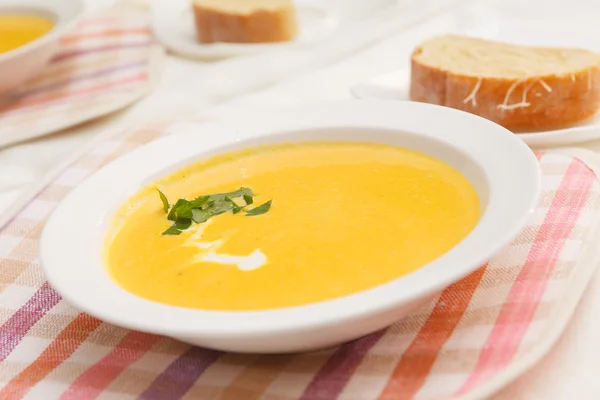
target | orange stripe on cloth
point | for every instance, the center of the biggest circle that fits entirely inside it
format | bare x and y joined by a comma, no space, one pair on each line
102,34
21,106
96,379
418,359
55,354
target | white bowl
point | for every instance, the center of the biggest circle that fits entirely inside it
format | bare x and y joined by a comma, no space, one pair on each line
22,63
501,167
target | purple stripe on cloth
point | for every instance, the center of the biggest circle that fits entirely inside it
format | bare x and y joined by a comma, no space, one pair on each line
76,53
180,376
332,378
17,326
79,78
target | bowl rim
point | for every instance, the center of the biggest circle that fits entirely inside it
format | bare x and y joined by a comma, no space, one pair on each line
63,22
82,279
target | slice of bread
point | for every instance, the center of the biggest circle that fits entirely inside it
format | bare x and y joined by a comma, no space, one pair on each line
521,88
245,21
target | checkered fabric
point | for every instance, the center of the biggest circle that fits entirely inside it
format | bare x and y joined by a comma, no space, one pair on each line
477,334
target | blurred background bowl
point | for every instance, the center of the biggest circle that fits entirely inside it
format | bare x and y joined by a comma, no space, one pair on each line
23,63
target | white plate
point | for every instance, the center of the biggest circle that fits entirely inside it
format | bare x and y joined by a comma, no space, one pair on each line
173,25
395,86
71,248
500,25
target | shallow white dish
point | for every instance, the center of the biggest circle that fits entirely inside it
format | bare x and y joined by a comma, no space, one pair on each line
173,25
71,248
506,25
22,63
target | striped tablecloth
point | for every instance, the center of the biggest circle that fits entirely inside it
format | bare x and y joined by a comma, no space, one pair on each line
105,63
475,337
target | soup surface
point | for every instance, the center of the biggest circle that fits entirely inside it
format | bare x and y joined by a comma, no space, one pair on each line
18,30
344,217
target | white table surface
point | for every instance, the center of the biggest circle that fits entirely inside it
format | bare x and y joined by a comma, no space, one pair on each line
571,369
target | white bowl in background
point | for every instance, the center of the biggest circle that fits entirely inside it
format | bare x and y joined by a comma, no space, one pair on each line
23,63
503,170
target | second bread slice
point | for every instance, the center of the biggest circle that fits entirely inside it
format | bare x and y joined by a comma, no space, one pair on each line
245,21
519,87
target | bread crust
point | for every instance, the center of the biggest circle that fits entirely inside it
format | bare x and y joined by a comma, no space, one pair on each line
261,26
535,103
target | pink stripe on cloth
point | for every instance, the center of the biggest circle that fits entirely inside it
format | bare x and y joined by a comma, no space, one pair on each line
80,36
29,105
82,52
529,287
17,326
80,78
333,377
96,379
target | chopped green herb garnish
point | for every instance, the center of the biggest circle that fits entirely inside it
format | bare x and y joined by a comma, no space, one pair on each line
179,226
180,210
201,209
220,207
164,200
234,207
200,216
259,210
172,231
238,193
199,201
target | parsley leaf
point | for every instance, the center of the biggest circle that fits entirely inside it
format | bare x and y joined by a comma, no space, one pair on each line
234,207
260,209
172,231
181,209
164,200
178,226
238,193
199,201
200,216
